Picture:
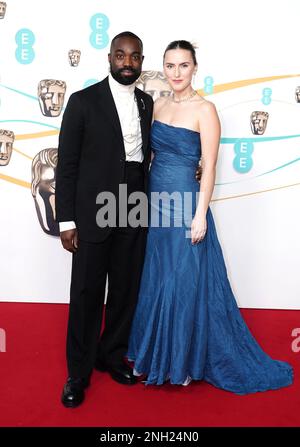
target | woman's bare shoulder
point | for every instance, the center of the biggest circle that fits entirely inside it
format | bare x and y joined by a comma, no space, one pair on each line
207,115
204,105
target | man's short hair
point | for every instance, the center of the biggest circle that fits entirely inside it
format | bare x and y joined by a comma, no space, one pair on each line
126,34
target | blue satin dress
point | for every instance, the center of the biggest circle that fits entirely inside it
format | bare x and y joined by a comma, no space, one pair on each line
187,325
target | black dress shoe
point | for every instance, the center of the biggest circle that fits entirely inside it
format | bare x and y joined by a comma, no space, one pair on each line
73,392
120,372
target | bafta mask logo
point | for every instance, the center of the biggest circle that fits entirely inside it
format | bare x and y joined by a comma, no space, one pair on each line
2,9
7,138
43,189
297,94
51,93
154,83
259,122
74,57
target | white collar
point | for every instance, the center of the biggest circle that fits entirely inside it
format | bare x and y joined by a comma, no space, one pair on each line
120,89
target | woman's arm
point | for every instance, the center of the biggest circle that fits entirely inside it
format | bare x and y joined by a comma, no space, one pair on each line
210,131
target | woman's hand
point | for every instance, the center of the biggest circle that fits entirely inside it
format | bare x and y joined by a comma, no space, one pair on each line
198,229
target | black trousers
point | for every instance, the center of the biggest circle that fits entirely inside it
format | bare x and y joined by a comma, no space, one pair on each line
120,258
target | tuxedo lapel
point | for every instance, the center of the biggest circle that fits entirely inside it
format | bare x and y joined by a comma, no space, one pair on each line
109,108
144,118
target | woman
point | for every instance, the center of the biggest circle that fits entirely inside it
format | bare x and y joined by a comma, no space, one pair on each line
187,325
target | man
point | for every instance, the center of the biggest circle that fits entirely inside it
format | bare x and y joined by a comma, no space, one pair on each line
104,142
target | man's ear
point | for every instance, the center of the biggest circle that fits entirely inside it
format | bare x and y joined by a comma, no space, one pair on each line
108,57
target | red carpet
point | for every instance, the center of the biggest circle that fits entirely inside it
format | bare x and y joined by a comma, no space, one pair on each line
33,370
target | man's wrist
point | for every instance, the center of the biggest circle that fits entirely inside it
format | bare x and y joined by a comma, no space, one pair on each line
65,226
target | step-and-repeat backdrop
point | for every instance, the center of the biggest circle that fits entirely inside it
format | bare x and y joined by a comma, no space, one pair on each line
248,66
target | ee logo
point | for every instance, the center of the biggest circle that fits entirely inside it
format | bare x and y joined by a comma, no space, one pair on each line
25,40
266,96
99,37
90,82
208,84
243,162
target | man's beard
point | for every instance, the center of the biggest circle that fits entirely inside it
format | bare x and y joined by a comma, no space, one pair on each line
122,79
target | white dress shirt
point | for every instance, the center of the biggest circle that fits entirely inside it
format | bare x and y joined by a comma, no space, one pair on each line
127,109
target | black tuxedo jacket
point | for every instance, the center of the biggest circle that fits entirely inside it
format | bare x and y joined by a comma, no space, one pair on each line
91,155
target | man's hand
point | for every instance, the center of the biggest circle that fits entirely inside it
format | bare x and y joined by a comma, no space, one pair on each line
69,240
198,173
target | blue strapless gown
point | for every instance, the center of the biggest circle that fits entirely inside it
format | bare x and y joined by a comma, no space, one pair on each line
187,325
